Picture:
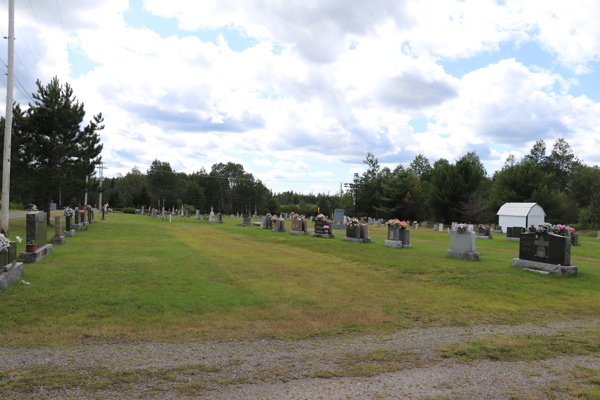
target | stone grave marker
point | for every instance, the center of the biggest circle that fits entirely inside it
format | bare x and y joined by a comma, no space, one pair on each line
575,239
10,269
57,238
441,227
462,245
299,227
323,229
545,252
36,233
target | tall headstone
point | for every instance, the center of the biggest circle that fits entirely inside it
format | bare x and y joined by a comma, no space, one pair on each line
36,234
441,227
57,238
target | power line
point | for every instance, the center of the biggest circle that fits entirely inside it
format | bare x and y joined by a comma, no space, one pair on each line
19,82
19,58
24,40
66,37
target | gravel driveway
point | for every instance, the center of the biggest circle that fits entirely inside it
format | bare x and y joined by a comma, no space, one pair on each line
320,368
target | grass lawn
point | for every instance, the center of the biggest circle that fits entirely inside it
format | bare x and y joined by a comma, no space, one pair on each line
134,277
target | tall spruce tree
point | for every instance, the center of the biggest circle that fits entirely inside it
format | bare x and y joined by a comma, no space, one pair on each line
58,153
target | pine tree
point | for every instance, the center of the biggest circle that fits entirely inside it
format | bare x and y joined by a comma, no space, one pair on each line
58,153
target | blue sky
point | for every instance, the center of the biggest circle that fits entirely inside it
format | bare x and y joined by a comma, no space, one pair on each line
300,94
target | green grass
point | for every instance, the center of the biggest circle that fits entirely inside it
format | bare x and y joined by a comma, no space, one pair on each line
134,277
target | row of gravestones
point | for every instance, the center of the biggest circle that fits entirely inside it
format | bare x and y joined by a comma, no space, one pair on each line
36,239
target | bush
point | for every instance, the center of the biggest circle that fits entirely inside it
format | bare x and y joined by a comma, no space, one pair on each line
128,210
190,209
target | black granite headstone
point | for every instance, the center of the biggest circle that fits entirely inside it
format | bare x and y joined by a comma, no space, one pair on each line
559,250
353,231
508,232
319,227
488,231
516,231
542,248
527,246
68,223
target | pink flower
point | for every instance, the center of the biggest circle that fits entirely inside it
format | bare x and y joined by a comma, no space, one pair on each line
326,226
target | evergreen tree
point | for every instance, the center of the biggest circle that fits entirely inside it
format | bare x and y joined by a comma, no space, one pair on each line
57,152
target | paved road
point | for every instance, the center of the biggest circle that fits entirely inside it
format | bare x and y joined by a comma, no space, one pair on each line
21,214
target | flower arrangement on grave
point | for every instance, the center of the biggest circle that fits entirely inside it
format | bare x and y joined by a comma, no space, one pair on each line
326,228
321,217
268,215
396,222
415,222
298,216
274,218
563,230
69,212
82,211
462,228
4,243
481,226
353,222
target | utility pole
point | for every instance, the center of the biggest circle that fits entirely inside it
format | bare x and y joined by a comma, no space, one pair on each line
101,167
85,197
8,118
354,187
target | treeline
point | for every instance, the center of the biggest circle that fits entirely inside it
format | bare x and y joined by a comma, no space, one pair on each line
227,188
567,188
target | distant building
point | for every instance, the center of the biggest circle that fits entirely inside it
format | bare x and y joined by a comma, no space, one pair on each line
520,214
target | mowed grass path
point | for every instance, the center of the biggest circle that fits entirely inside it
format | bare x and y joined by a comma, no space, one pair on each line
134,277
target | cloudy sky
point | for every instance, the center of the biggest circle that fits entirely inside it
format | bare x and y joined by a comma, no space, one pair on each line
299,91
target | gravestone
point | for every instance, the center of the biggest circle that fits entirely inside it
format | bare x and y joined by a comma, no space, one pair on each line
212,216
597,235
484,233
279,225
323,229
370,221
10,269
575,239
36,233
299,227
247,222
197,214
339,219
405,239
220,219
434,227
441,227
393,239
545,252
57,238
462,245
69,231
513,233
357,233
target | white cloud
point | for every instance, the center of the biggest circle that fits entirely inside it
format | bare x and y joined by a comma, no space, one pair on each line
263,162
292,165
321,173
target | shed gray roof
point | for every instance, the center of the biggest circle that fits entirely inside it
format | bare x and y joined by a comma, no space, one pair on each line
517,209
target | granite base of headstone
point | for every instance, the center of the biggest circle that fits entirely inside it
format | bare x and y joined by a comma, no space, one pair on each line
545,252
70,233
462,245
12,270
58,240
37,255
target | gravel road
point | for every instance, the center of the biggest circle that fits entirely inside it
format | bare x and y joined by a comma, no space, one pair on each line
319,368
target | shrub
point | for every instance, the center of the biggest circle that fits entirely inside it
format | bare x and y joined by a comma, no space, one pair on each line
128,210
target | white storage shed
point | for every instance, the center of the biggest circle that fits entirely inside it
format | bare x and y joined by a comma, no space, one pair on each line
520,214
